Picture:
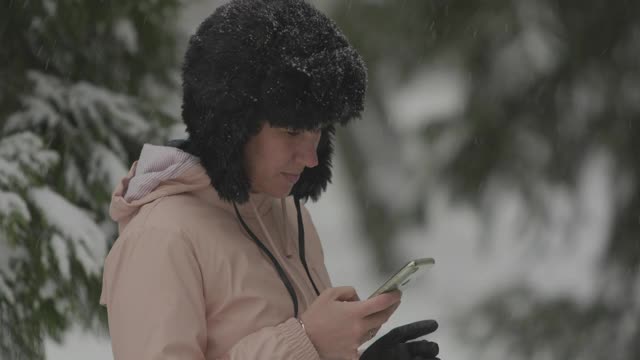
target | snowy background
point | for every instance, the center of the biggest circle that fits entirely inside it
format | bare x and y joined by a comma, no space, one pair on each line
478,251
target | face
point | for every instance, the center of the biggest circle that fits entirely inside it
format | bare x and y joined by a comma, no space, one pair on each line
276,157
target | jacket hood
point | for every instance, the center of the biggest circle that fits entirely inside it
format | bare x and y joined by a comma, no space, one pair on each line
160,171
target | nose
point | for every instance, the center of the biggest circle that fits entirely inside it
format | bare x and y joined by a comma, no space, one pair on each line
311,158
308,151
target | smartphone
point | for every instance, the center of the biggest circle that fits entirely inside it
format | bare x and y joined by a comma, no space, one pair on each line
404,275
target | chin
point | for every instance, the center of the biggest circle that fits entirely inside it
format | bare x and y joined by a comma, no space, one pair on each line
279,193
277,189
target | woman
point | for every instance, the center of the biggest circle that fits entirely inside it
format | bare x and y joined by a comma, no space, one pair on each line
217,258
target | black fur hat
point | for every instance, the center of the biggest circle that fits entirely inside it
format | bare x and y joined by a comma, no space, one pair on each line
280,61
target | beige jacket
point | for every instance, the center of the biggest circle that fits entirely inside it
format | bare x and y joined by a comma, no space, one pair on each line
184,281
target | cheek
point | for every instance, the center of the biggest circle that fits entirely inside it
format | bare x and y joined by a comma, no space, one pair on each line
282,162
272,164
272,159
282,156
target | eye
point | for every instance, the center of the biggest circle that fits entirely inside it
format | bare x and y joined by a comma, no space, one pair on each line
293,132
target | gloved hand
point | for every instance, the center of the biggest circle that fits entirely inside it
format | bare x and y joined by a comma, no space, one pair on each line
395,345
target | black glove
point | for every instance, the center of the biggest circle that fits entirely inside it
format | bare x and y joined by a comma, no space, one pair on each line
394,344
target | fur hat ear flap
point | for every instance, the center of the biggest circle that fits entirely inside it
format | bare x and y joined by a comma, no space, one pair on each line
313,181
232,183
226,140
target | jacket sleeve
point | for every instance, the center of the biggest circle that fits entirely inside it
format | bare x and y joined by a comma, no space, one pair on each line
152,286
153,289
286,341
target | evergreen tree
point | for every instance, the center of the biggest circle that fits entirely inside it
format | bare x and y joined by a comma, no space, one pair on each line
80,89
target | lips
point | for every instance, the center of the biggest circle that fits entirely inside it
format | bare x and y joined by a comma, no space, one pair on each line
292,178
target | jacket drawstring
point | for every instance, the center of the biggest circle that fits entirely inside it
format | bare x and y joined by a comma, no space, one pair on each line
264,229
285,228
281,273
303,254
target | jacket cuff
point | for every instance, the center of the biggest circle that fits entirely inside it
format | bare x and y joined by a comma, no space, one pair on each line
297,340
